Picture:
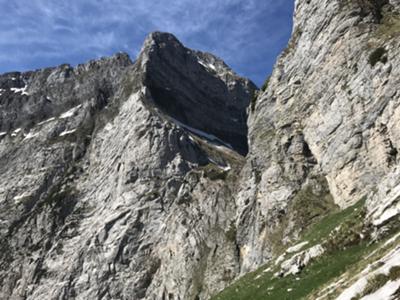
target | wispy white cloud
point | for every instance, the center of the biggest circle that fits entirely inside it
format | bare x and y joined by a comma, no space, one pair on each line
36,32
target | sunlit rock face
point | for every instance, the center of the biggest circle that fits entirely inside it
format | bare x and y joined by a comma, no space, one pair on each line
162,179
326,127
115,176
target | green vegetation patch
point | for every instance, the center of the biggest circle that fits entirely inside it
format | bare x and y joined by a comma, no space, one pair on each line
378,55
231,233
394,273
214,172
375,283
389,28
378,251
312,203
266,84
378,281
258,93
254,101
310,206
263,284
316,233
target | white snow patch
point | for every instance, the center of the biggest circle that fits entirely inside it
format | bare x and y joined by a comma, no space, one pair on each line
267,270
388,214
13,78
330,288
387,207
258,276
30,135
71,112
227,168
293,265
390,260
297,247
207,66
224,168
15,132
108,127
3,134
211,66
385,292
21,196
46,121
209,137
202,63
67,132
354,290
20,90
280,259
391,240
387,243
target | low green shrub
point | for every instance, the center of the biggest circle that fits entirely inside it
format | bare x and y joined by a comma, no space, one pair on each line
394,273
378,55
375,283
266,84
231,233
214,172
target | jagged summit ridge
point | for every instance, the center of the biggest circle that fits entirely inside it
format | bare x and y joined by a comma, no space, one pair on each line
181,81
104,185
31,97
197,89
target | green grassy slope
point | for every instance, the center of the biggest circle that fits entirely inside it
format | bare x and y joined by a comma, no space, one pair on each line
340,233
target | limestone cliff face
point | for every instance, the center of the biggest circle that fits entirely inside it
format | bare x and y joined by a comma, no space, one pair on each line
325,131
127,180
114,176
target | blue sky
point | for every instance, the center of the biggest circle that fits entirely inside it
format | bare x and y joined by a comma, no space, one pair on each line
248,35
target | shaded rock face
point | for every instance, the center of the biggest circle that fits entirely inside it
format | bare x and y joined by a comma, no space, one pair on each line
197,89
111,189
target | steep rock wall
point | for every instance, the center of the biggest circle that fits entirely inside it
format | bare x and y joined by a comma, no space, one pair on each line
328,121
108,195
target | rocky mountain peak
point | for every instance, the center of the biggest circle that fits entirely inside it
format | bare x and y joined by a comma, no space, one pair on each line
197,89
161,39
111,155
125,180
31,97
